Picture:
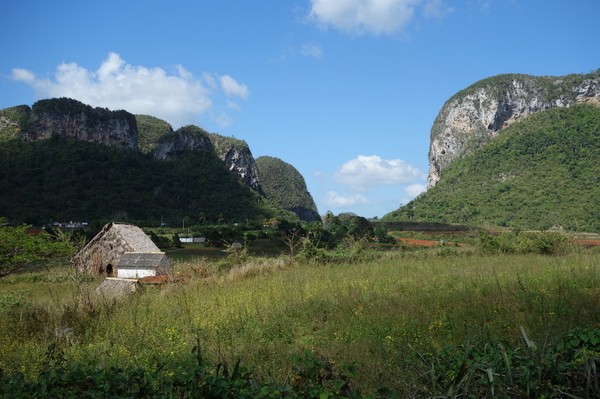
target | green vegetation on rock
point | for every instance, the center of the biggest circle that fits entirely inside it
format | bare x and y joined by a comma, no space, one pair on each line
62,179
223,144
67,107
11,120
282,183
64,160
150,131
540,173
552,87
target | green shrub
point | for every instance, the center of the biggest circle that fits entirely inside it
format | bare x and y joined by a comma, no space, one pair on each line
545,243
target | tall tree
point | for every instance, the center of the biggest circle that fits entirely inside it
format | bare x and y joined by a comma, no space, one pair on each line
20,249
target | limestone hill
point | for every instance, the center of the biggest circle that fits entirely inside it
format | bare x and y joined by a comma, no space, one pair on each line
540,172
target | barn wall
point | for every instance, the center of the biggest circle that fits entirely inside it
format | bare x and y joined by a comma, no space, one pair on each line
104,250
137,272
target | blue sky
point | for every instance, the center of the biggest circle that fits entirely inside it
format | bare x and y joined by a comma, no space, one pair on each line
344,90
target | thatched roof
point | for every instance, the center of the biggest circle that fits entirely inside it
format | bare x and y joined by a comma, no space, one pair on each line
137,240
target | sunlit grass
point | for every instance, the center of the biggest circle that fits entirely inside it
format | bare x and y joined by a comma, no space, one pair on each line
377,315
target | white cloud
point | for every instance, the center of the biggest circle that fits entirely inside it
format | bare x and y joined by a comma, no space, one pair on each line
335,199
23,75
364,16
233,88
184,73
481,5
311,50
178,98
223,120
436,9
377,17
371,171
413,190
234,106
109,67
210,80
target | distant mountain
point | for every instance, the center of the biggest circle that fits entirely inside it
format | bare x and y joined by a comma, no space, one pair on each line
283,184
539,172
64,160
157,136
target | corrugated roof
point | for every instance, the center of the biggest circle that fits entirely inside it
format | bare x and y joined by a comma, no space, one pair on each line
141,259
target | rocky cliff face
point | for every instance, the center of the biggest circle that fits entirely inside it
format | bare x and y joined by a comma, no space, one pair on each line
72,119
238,158
189,138
241,162
475,115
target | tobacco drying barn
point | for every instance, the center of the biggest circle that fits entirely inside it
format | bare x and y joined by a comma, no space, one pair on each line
102,255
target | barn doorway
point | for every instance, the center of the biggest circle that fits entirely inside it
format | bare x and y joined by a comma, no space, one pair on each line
109,270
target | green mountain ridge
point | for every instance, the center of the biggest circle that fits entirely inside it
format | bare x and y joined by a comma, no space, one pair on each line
283,183
64,160
541,172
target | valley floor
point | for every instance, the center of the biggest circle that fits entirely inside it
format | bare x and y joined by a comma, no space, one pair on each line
420,323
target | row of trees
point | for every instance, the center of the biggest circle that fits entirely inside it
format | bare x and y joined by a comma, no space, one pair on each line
289,235
22,248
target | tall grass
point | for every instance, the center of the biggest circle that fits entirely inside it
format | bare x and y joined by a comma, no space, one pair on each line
386,317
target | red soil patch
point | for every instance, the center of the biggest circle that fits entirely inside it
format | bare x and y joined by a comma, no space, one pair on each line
419,243
154,279
587,243
432,243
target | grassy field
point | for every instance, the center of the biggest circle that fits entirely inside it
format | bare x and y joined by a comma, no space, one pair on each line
420,323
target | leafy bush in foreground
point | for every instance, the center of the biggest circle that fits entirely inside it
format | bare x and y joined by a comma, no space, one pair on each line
568,368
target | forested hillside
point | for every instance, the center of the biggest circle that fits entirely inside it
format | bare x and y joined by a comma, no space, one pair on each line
540,173
282,183
64,160
62,179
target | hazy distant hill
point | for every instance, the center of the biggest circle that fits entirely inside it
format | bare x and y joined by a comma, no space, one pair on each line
286,187
540,172
64,160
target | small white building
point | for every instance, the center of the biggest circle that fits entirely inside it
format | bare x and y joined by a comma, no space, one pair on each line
135,265
192,240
